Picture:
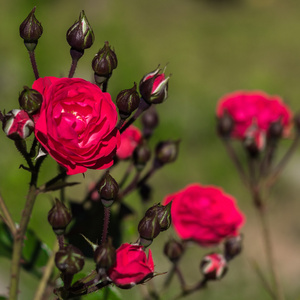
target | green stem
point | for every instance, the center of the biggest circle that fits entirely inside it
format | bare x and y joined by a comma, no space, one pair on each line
18,242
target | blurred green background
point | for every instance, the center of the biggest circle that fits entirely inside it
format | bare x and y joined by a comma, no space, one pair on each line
212,47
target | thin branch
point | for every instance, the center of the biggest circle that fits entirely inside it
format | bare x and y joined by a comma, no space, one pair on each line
7,217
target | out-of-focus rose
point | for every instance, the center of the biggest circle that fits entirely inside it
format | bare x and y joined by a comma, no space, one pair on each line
130,139
131,267
253,113
204,214
77,124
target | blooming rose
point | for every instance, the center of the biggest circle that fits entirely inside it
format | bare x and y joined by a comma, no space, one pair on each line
131,266
76,123
253,113
204,214
130,138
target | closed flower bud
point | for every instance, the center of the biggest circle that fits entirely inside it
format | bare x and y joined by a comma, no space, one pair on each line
30,100
105,255
80,36
69,260
275,130
150,121
127,101
213,266
173,250
163,213
154,87
141,156
148,229
104,62
59,217
233,246
166,152
108,190
225,125
30,31
17,125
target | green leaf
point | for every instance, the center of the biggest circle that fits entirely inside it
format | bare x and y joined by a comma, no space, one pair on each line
35,253
6,241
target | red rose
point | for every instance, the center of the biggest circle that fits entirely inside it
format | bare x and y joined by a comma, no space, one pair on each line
204,214
253,113
131,266
130,139
77,124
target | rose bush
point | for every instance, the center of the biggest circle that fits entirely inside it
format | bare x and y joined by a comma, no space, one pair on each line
253,113
204,214
76,124
132,266
130,139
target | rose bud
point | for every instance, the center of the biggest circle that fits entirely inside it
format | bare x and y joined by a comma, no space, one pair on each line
163,214
150,121
173,250
69,260
132,266
213,266
233,246
166,152
80,35
127,102
108,191
104,62
141,156
59,217
105,255
17,125
149,228
30,31
275,130
30,100
154,87
225,125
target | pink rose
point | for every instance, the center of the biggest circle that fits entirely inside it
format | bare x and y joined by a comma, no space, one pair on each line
204,214
77,124
131,267
130,139
253,113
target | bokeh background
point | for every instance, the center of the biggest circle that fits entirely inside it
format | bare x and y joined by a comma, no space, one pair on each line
212,47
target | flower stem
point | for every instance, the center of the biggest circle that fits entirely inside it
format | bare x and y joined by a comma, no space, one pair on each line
7,217
76,55
33,64
105,224
18,242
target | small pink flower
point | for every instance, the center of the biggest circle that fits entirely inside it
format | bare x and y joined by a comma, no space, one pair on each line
253,113
204,214
130,139
77,124
132,266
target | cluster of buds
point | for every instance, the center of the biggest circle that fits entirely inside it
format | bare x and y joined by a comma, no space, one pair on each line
157,218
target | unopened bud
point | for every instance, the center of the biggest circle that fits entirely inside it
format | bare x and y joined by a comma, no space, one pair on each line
275,130
17,124
59,217
141,156
150,121
127,102
225,125
108,190
148,229
166,152
80,35
233,246
30,31
69,260
154,87
163,214
213,266
104,62
173,250
105,255
30,100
